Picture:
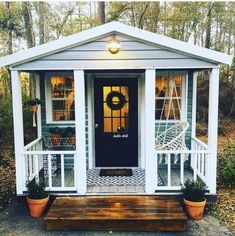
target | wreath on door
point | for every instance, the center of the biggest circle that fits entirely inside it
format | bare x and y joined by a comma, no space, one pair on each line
115,105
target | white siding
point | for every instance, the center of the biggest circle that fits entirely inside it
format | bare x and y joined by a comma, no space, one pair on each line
133,54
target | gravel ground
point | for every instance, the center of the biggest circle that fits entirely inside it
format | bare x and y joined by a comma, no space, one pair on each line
15,220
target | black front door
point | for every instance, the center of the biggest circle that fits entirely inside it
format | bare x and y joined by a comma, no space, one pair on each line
116,122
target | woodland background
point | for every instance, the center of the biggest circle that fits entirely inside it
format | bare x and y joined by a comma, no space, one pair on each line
207,24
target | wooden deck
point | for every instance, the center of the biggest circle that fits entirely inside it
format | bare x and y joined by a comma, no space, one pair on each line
118,213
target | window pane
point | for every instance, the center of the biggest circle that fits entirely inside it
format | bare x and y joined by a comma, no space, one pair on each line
168,92
107,110
107,125
62,94
116,125
62,87
106,91
63,110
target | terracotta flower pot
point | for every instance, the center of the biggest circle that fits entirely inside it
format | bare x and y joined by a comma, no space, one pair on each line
34,108
195,209
37,206
72,140
55,139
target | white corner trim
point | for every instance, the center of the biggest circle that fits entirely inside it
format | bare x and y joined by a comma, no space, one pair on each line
150,158
79,88
211,163
103,30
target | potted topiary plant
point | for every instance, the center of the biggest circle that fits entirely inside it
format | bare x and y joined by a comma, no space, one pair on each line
55,136
34,107
34,104
37,197
194,198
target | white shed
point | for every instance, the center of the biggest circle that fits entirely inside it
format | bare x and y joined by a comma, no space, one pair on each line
133,111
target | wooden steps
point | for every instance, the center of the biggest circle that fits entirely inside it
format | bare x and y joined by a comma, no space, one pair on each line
122,213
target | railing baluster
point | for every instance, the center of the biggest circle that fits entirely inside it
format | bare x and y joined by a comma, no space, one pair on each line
30,166
62,169
49,171
203,163
182,168
36,171
169,170
157,168
75,172
195,167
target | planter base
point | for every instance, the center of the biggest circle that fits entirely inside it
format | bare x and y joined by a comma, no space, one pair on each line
37,206
195,209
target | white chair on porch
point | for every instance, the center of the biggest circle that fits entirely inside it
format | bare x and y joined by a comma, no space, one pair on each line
172,138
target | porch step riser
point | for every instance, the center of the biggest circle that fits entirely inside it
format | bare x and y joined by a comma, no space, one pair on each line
118,225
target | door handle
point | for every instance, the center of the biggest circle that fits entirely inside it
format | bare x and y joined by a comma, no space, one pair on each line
96,126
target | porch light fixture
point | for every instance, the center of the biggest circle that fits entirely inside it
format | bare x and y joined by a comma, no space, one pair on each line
113,45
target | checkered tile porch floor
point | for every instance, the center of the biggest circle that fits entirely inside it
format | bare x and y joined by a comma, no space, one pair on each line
138,178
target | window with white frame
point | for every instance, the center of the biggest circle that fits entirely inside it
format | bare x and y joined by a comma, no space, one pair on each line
60,99
169,96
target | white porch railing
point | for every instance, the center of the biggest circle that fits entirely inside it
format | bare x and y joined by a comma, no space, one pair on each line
57,168
197,156
198,163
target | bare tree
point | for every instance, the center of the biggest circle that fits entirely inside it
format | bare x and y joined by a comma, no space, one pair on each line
101,12
9,26
208,25
28,24
41,22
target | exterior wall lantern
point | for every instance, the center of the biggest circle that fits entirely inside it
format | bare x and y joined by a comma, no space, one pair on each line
113,45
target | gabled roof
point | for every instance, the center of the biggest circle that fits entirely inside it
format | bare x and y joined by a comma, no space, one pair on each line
94,33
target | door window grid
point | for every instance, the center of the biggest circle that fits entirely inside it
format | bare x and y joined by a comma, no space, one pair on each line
116,121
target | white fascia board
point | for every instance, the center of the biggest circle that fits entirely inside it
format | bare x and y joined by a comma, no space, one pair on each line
91,34
56,45
183,47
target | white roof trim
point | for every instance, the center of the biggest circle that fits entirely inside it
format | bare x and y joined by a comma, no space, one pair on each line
91,34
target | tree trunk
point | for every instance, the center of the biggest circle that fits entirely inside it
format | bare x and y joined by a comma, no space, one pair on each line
101,13
28,24
41,22
9,32
208,26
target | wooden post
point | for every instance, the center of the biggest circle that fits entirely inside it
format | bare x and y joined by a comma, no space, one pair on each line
150,159
79,88
18,130
211,160
38,95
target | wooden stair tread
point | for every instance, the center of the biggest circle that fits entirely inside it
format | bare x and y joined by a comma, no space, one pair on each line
148,213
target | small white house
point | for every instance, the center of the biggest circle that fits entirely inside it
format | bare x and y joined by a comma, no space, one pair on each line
131,97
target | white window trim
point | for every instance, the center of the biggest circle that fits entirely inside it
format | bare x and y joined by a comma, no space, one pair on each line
184,95
48,100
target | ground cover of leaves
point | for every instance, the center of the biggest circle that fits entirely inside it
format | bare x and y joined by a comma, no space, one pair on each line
224,208
7,175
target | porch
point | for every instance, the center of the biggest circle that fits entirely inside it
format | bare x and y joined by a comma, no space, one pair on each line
58,169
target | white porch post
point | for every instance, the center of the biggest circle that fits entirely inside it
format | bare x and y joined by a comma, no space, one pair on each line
211,162
150,166
79,88
38,95
194,114
18,129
